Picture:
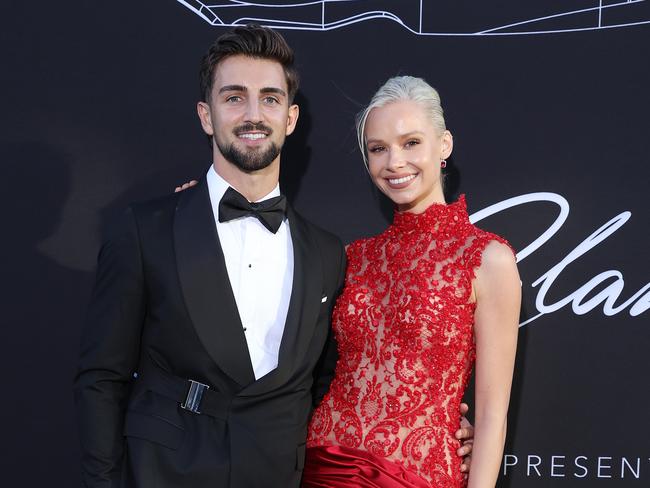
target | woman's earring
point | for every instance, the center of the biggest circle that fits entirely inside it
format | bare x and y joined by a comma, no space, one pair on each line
443,163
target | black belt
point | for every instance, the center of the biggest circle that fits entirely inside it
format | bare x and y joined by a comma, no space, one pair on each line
191,395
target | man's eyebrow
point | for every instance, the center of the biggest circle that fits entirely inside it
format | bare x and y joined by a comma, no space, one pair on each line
270,89
242,88
227,88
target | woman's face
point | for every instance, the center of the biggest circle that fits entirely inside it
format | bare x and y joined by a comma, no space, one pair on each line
404,155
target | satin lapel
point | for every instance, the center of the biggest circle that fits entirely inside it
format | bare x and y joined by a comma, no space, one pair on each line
304,306
206,288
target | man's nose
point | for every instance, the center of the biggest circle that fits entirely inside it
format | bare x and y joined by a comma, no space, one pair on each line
253,112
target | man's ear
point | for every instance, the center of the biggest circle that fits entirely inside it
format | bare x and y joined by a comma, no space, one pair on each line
292,118
205,116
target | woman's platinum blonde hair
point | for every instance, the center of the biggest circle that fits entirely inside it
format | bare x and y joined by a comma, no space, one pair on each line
396,89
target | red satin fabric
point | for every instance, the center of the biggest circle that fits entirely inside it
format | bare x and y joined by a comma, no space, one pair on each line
342,467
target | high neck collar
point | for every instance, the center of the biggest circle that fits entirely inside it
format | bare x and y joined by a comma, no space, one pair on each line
438,217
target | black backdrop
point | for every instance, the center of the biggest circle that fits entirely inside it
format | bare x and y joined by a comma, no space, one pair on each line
98,109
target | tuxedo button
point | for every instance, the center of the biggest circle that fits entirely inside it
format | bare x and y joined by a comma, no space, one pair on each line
244,329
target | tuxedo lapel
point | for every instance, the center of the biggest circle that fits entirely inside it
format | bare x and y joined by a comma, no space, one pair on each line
206,287
304,306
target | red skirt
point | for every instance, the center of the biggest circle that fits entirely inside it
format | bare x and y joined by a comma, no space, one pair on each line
342,467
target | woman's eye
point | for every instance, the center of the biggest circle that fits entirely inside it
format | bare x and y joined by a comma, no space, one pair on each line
375,149
412,142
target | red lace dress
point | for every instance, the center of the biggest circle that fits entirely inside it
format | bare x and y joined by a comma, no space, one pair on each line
404,327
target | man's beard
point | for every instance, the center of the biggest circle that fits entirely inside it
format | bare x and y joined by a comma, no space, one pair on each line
253,159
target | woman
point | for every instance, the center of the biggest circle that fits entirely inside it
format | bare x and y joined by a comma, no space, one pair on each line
422,301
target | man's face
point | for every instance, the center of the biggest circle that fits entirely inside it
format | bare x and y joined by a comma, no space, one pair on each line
248,115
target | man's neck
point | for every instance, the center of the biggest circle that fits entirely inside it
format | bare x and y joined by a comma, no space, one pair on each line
254,185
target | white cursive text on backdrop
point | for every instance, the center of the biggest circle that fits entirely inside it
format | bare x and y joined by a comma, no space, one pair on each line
608,296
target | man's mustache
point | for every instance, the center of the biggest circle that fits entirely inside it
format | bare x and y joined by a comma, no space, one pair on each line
250,127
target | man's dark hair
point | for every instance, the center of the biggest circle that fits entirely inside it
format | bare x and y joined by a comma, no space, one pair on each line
250,40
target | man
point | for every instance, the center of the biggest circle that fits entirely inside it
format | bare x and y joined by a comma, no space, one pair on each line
208,338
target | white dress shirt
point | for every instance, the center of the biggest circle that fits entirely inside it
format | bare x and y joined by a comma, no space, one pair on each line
260,270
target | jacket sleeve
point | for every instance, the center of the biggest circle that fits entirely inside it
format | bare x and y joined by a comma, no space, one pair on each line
324,371
110,347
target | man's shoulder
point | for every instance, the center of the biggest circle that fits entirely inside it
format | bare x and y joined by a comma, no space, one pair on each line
154,206
138,216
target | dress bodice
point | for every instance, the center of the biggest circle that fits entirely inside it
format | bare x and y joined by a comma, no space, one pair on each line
404,329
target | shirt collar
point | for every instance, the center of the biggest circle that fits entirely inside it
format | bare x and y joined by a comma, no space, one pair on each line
217,186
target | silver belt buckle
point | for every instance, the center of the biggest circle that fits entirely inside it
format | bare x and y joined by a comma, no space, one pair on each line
194,396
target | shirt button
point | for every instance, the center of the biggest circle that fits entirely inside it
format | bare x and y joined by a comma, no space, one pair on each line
250,265
244,329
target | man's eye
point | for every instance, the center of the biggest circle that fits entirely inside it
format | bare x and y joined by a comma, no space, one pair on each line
233,99
270,100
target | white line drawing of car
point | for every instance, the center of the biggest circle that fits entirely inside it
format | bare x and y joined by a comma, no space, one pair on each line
421,17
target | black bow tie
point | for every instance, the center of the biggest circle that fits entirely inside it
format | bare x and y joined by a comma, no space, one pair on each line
269,212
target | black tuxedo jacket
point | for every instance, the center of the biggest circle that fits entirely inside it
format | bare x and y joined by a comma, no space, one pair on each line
163,308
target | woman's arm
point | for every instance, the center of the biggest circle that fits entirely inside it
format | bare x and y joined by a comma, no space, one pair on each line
498,296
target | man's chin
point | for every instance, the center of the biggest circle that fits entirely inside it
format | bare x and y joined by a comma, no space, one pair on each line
250,159
252,162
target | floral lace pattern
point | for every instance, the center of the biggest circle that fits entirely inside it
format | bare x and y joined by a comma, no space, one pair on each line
404,328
